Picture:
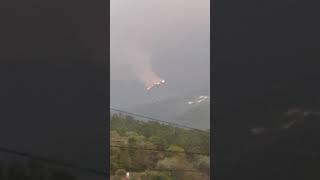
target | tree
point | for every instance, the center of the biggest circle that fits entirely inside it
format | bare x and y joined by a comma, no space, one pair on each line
180,168
154,175
144,145
114,157
175,150
203,164
120,174
159,141
124,159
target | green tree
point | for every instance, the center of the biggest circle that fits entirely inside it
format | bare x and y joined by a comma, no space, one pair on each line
175,150
159,142
203,164
114,157
180,168
154,175
120,174
124,159
142,135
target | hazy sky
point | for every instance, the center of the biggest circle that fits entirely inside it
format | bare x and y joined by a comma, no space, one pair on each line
169,38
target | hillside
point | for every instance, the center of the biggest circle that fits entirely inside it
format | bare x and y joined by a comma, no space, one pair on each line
150,150
196,117
192,109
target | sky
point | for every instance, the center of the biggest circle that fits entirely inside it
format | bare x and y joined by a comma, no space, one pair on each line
166,39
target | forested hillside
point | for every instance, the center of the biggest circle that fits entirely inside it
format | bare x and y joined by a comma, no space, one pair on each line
150,150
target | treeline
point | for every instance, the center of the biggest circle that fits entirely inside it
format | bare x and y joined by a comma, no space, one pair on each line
31,170
150,150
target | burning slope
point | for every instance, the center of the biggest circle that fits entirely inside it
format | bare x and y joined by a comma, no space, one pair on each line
140,60
155,84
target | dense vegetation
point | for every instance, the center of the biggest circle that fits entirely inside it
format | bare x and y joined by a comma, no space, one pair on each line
151,150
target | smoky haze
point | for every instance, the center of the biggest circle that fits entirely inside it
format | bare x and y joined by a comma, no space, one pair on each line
153,40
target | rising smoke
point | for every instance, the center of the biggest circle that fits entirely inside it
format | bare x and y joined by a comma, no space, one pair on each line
141,26
140,60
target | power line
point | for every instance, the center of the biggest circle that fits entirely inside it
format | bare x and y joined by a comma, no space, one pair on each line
158,120
162,169
118,141
158,150
93,171
50,161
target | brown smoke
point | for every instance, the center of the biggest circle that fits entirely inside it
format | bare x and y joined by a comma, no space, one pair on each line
141,26
140,60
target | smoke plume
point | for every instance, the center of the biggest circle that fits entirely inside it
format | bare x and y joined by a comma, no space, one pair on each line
140,60
139,27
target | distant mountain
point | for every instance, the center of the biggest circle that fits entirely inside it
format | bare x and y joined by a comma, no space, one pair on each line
197,117
192,110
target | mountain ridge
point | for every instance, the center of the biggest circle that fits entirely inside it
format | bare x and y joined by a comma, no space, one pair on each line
191,110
